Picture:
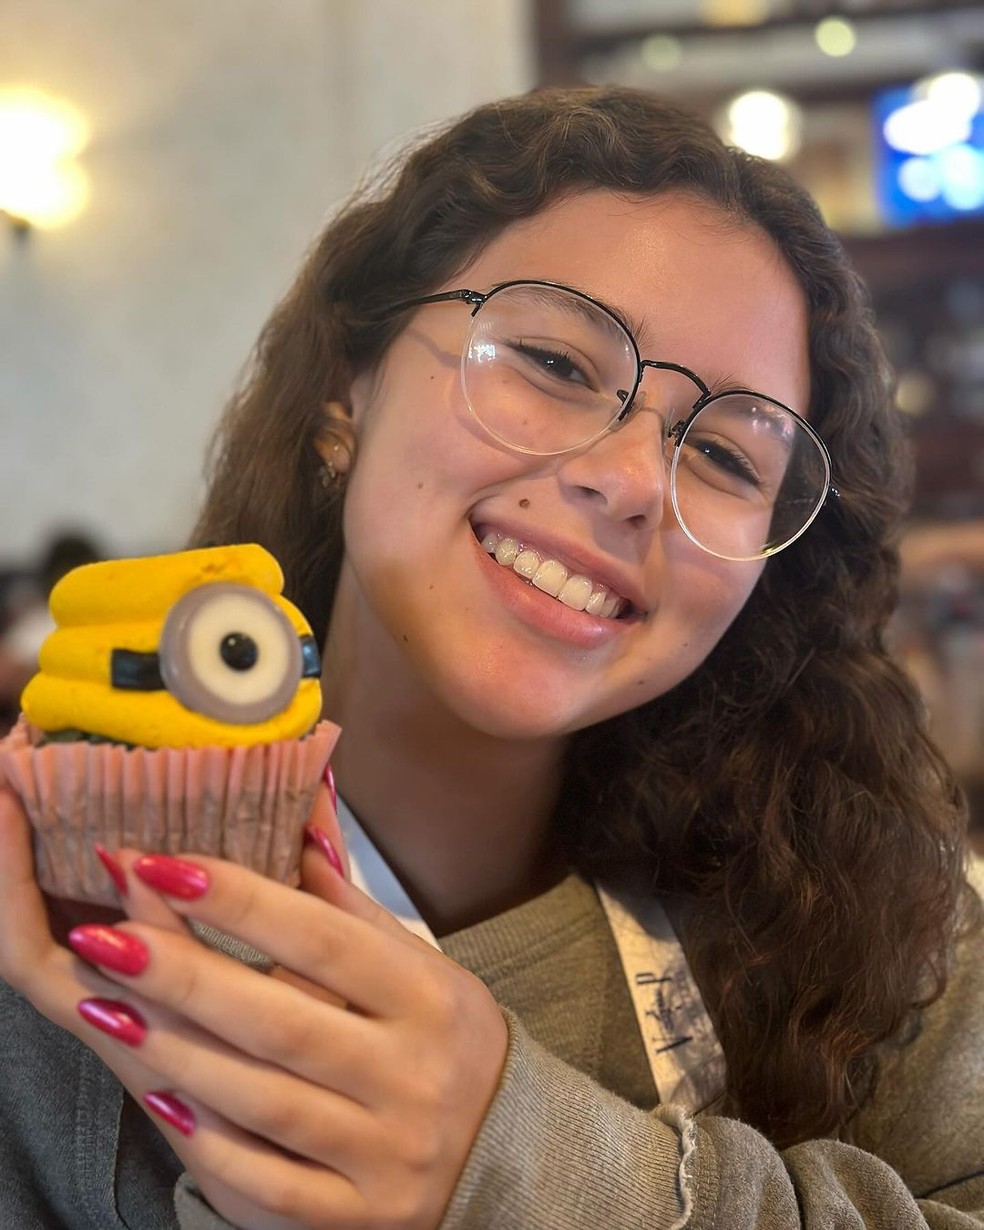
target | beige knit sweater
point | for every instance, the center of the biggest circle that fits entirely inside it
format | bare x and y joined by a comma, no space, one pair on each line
572,1138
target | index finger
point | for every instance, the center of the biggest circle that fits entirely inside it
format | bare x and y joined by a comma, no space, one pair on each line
375,970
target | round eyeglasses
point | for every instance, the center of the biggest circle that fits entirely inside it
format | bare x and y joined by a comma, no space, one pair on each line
546,369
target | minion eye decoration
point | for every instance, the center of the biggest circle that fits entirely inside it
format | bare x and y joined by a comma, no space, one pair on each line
194,648
226,651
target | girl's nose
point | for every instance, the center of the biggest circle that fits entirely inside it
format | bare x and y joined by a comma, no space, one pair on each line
626,472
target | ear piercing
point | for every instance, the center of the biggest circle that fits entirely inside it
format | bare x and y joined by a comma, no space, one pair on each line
337,460
335,466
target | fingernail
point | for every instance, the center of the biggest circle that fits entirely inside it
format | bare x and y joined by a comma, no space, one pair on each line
313,836
113,867
330,783
115,1018
171,1109
109,947
172,876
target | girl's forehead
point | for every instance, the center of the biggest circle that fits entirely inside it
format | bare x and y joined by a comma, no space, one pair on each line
608,213
692,282
632,244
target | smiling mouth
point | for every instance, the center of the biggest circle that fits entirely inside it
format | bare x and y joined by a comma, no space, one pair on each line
573,589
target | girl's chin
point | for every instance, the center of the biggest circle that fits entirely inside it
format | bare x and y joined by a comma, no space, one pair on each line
525,709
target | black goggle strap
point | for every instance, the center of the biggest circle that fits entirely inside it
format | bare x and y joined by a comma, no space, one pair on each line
133,671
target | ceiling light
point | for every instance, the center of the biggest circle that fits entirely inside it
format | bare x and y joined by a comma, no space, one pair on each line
763,123
661,52
835,36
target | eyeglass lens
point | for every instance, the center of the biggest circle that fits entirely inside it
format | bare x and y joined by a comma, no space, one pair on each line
546,371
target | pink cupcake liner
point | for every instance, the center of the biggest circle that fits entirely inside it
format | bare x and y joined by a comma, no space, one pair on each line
246,804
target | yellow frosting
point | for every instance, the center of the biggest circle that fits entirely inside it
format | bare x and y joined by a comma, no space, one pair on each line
122,604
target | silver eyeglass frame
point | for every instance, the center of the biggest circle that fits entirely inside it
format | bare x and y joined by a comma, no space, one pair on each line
476,300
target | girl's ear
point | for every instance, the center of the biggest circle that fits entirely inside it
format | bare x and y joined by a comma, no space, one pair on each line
335,444
339,418
361,392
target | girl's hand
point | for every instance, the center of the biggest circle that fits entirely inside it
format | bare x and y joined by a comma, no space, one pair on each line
289,1109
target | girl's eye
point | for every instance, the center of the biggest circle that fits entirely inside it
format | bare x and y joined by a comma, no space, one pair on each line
229,652
722,457
557,362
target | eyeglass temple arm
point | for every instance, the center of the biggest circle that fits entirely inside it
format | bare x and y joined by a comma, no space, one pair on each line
474,297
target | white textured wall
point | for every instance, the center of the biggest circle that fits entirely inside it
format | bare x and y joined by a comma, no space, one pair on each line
222,133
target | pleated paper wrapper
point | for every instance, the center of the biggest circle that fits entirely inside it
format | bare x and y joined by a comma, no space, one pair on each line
246,804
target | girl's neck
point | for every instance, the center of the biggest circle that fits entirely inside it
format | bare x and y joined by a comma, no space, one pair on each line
463,820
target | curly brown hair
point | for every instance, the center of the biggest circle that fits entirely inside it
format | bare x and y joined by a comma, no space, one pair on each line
786,793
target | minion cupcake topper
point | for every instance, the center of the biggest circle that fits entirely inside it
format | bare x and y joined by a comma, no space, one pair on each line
192,649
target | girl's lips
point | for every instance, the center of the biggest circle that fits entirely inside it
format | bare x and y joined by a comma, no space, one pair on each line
595,586
546,614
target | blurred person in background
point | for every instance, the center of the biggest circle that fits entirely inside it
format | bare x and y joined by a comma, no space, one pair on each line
24,617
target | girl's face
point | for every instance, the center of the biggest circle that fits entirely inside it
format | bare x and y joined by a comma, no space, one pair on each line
419,593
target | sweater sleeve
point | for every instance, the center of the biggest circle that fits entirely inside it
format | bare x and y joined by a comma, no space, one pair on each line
558,1152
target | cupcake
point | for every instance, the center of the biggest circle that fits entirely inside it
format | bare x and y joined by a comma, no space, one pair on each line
175,710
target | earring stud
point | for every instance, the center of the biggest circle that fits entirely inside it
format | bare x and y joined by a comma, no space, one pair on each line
333,467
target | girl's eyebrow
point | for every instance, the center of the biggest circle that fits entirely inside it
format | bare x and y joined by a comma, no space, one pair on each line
726,383
636,328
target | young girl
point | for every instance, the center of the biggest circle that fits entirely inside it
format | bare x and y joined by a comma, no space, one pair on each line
576,443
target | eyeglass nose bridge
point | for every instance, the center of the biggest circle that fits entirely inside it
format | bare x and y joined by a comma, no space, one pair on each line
628,397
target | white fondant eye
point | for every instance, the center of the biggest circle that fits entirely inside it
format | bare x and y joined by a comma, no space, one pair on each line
231,653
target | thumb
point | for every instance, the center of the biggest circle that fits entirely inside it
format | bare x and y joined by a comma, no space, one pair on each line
23,917
323,832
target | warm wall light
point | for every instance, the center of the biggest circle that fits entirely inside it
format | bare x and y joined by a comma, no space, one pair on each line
733,12
40,183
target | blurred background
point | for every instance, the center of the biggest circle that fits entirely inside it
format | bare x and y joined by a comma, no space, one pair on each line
163,168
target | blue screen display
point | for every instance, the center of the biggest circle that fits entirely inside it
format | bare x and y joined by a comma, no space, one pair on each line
928,156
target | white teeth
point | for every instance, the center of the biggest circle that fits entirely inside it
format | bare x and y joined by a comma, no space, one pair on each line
576,591
506,551
612,605
597,600
526,564
550,577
